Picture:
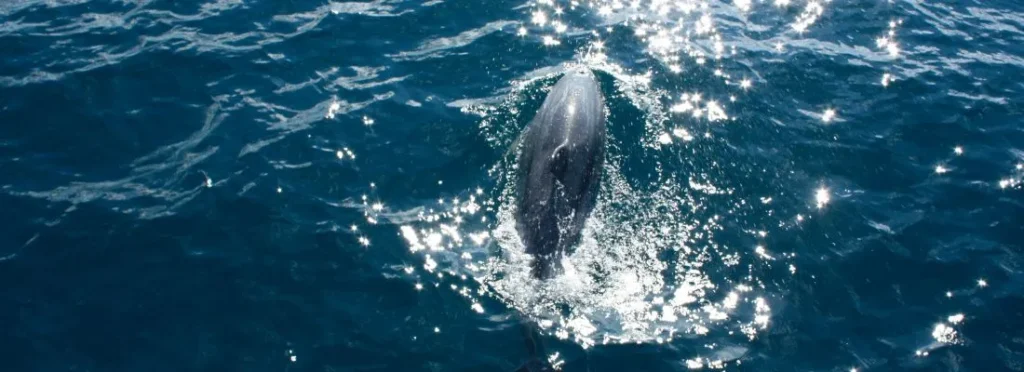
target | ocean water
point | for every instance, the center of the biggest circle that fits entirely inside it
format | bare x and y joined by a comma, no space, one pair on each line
306,185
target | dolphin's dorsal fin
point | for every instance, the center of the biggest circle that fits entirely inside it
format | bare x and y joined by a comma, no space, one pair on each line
560,161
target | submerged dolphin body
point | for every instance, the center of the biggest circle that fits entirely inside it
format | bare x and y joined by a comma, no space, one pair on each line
560,169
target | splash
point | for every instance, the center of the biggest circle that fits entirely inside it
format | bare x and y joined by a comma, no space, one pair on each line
652,264
648,268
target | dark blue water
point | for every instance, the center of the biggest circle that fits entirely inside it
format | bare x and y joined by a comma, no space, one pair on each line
302,185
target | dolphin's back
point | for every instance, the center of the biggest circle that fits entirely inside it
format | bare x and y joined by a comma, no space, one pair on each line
560,169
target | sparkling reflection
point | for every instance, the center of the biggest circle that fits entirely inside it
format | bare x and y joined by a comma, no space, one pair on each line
649,267
822,197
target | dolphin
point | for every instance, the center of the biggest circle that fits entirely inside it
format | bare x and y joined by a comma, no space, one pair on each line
560,166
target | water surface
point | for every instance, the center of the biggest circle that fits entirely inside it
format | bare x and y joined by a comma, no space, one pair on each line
243,185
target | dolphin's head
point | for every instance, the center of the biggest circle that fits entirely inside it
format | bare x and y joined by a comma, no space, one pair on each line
581,72
577,89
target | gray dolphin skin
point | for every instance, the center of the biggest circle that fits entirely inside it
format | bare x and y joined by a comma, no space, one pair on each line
560,169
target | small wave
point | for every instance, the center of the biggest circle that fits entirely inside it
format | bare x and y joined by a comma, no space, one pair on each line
439,47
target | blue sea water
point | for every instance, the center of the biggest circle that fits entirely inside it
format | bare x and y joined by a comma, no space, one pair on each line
305,185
